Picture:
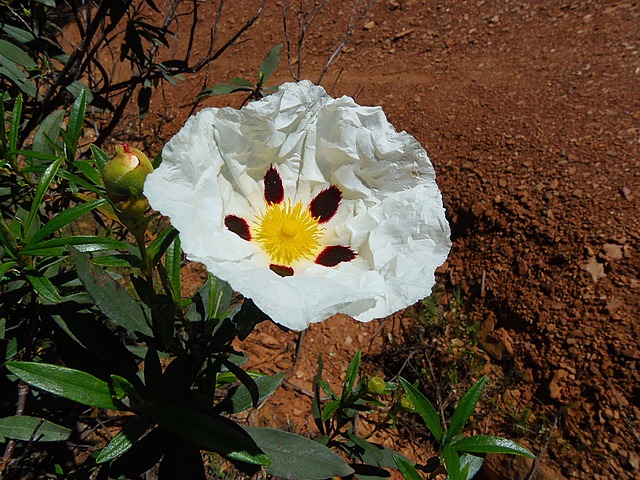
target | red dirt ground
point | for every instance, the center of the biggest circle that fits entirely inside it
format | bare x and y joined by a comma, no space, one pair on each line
530,111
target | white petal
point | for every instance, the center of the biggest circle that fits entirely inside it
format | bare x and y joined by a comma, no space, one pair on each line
391,213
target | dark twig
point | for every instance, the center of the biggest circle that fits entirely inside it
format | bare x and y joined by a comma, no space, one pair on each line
23,391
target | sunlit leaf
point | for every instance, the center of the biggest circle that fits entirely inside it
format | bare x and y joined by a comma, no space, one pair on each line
491,444
424,408
65,382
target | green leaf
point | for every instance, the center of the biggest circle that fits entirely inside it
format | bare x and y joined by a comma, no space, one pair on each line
77,89
23,427
122,388
41,190
240,399
123,441
42,285
160,244
329,409
270,63
99,156
452,462
14,126
216,434
76,123
221,89
65,382
352,373
173,262
63,218
490,444
371,451
471,464
110,297
407,469
293,456
5,267
48,131
84,243
16,54
18,34
465,408
424,408
14,73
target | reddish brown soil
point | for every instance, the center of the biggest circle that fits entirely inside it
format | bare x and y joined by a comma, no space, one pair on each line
530,112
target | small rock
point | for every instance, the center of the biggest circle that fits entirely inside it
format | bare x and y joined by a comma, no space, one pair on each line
634,461
555,389
611,252
626,193
369,25
595,268
612,306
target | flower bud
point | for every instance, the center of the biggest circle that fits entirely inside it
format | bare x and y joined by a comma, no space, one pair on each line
376,385
125,173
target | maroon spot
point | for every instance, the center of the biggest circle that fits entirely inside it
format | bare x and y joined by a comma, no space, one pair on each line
332,256
281,270
325,205
239,226
273,189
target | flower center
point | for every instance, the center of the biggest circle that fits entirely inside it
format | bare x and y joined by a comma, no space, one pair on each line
288,233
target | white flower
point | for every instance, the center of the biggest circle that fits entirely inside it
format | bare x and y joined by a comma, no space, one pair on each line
308,205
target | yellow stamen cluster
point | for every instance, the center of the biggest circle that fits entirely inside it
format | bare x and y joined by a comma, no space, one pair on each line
288,233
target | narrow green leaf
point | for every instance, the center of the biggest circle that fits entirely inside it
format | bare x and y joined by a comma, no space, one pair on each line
5,267
63,218
221,89
452,462
329,409
491,444
99,156
76,124
17,76
23,427
465,408
122,388
407,469
48,131
173,262
120,260
65,382
109,296
240,398
160,244
41,190
123,441
352,373
424,408
315,404
293,456
84,243
16,54
14,126
270,63
371,451
43,286
216,434
89,170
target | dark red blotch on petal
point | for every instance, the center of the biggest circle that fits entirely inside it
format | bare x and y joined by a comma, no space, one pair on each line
273,189
281,270
332,256
239,226
325,205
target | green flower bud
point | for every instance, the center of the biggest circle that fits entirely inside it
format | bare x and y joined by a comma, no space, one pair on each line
133,207
406,403
376,385
125,173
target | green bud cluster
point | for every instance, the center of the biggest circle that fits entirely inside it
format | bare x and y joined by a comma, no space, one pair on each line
376,385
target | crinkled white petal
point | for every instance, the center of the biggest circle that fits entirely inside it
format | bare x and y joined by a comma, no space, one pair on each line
391,213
